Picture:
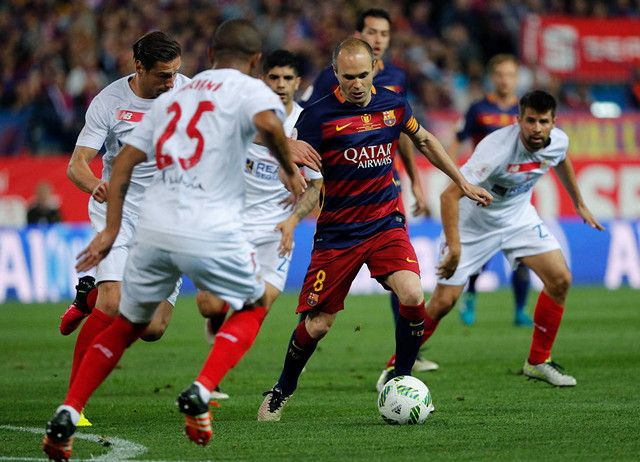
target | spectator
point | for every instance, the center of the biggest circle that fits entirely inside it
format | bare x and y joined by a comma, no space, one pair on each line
45,209
90,42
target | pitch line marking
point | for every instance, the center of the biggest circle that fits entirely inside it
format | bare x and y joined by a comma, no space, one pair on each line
121,449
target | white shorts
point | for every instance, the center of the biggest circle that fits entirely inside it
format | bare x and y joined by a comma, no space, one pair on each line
272,268
112,267
522,240
151,274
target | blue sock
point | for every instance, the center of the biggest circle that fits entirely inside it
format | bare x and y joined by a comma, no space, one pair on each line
301,347
521,280
409,333
471,287
395,307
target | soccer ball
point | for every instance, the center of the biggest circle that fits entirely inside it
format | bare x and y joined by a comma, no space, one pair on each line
405,400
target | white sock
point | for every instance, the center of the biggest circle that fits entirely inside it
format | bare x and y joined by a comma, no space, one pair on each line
75,415
205,394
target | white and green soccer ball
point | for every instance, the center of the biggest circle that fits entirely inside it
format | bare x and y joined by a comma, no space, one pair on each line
405,400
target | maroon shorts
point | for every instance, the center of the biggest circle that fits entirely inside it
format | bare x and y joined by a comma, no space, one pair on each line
332,271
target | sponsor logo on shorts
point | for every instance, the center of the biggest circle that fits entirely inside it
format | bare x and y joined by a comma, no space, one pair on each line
312,299
410,260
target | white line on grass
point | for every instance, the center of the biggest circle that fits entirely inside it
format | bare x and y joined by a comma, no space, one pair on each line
121,449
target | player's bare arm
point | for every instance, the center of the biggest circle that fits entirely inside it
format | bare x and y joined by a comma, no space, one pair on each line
82,176
567,176
449,212
271,132
100,246
429,145
405,150
304,206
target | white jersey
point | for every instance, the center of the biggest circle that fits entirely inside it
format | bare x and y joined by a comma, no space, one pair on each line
112,114
265,192
199,136
502,165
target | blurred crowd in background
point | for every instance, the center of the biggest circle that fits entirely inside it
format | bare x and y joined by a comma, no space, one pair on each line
57,55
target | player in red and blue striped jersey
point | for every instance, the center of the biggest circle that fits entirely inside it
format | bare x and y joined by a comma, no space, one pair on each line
374,27
356,131
494,111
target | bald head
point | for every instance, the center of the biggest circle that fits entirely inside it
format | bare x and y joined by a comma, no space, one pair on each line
237,38
350,47
353,65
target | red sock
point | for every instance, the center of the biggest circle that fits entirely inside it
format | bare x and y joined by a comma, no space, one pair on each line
302,337
413,312
233,340
100,359
96,323
430,325
546,321
92,296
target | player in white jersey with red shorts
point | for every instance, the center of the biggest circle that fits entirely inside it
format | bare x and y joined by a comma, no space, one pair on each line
111,116
190,223
509,162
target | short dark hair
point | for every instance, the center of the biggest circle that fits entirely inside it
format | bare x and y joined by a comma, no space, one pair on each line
281,58
351,43
538,100
238,38
371,13
155,46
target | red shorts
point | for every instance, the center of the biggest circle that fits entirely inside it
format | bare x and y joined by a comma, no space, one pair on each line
332,271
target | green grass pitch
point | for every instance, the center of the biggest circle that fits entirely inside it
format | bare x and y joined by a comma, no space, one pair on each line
486,410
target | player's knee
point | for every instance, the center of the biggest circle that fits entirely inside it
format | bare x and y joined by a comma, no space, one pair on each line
152,334
440,304
156,328
559,286
208,304
108,300
110,307
318,324
271,293
410,293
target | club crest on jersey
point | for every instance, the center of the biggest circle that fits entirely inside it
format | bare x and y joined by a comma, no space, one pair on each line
248,165
312,299
389,118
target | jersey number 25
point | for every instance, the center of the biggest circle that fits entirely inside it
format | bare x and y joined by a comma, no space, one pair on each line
164,160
